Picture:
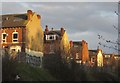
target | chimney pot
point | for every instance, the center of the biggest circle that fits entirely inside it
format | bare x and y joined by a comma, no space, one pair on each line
71,43
62,31
38,16
29,13
46,30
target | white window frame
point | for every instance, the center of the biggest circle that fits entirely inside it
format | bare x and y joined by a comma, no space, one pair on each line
107,56
16,38
48,37
92,60
5,38
77,55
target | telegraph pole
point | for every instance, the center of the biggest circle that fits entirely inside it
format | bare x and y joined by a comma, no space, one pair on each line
118,14
118,27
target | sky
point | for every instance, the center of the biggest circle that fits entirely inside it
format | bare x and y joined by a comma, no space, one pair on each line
81,20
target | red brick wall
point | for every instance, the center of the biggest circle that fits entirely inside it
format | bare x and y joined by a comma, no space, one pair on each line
9,31
46,48
85,54
56,47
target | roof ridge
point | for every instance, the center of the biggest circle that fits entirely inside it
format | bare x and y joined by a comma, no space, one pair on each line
12,14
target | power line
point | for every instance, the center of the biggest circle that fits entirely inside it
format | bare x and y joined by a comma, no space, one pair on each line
110,47
108,41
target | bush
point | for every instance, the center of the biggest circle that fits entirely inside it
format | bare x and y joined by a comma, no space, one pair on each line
8,67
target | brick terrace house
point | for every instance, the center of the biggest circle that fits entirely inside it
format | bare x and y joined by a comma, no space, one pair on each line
20,32
96,58
55,42
79,51
110,59
93,58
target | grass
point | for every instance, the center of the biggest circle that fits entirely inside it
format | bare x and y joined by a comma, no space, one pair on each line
29,73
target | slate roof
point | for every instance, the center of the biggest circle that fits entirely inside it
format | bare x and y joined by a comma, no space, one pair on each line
13,20
58,32
93,51
77,43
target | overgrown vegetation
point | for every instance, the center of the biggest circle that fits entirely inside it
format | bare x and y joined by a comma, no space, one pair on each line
74,72
54,69
11,68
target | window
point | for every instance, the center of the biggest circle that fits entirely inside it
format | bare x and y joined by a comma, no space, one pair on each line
4,35
17,19
77,55
15,37
92,60
50,37
75,46
107,56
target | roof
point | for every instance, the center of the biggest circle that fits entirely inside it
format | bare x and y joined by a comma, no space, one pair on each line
77,42
92,53
93,50
58,32
13,20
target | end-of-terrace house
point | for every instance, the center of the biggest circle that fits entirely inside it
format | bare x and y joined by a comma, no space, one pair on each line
96,58
21,33
56,42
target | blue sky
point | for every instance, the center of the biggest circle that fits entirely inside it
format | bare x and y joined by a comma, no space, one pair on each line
81,20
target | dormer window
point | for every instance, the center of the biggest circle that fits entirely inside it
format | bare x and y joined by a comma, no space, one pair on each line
15,37
4,35
50,37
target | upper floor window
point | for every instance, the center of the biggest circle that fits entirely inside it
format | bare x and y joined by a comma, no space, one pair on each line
75,46
107,56
4,35
50,37
77,55
15,37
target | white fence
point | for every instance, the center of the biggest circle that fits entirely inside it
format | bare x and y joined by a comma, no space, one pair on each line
34,58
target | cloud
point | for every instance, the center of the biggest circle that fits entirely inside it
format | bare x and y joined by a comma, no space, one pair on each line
84,20
60,1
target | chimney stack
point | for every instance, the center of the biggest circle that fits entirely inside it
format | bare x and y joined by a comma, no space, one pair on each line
83,42
46,29
62,31
29,14
38,16
71,43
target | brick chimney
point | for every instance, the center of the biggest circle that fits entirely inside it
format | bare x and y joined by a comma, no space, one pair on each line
62,31
46,29
29,14
38,16
99,50
83,42
71,43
